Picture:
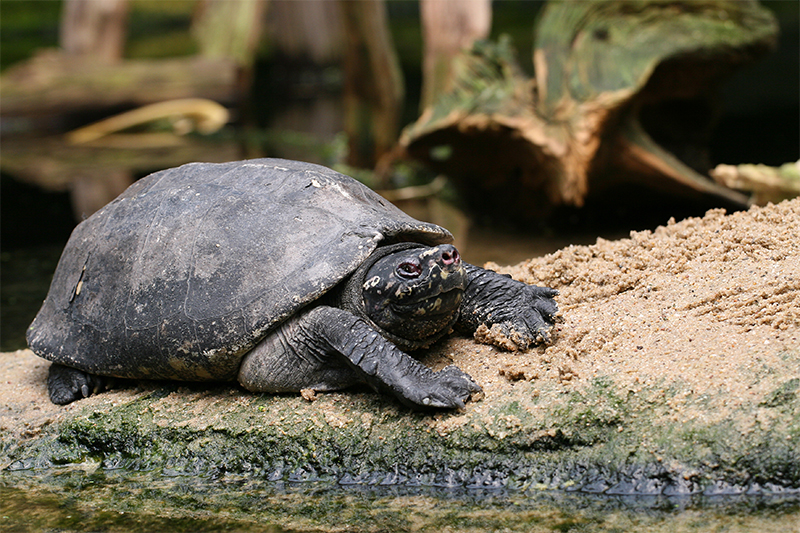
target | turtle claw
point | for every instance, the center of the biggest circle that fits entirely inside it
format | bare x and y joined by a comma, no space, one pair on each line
450,388
66,384
535,318
517,315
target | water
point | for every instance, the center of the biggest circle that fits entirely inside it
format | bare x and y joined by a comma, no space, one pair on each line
26,274
78,500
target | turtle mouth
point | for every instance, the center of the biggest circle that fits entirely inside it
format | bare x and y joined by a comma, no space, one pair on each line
442,302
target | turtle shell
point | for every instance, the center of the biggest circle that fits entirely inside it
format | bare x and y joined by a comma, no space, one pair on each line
190,267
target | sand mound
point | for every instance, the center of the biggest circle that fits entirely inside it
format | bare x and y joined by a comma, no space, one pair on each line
703,303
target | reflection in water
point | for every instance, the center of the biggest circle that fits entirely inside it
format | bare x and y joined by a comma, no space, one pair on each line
97,162
26,275
118,500
92,190
95,175
181,117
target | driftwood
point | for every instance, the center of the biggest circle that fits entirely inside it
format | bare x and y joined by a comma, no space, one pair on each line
623,91
764,183
53,82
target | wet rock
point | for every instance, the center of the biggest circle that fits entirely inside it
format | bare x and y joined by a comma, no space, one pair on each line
683,345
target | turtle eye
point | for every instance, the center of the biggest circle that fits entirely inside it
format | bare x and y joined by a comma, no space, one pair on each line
408,270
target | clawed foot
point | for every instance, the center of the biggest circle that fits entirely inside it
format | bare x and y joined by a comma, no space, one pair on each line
518,315
533,318
66,384
448,388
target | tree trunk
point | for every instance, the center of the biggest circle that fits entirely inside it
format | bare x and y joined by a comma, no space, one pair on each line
232,30
449,26
373,88
225,29
309,30
95,29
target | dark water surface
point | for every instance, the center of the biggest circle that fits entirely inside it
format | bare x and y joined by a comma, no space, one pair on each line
98,500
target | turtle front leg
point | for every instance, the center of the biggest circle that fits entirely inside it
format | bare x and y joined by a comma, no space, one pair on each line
327,348
523,313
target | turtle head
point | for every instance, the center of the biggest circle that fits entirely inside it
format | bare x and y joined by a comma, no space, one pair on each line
415,293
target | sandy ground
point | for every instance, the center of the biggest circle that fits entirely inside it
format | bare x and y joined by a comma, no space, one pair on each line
705,303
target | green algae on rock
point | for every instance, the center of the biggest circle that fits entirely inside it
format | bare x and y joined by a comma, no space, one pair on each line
534,437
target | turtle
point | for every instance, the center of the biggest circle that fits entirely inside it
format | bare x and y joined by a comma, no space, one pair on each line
282,275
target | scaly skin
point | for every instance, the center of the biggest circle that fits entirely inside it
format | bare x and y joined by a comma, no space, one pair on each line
316,348
524,312
66,384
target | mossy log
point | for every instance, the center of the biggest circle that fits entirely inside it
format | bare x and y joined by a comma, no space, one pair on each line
623,91
88,72
54,83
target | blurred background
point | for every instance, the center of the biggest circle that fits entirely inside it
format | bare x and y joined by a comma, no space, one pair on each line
522,126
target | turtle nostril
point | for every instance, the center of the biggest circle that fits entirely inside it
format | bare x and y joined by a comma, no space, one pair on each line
450,257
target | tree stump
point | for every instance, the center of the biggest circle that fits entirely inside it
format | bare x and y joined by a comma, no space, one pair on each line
624,91
448,26
373,87
95,29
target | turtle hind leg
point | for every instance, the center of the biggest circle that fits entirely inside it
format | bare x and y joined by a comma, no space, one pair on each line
66,384
288,360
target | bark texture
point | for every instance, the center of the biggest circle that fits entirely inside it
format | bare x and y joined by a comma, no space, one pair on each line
623,92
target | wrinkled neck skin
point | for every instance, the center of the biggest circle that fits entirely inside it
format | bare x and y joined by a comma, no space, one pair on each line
350,297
